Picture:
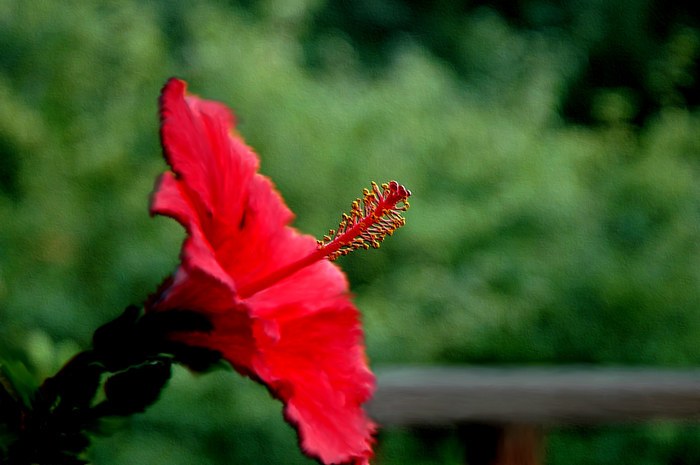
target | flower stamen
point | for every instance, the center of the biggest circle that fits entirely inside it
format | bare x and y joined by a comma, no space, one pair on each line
371,219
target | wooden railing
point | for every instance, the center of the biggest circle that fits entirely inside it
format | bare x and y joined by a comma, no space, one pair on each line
503,412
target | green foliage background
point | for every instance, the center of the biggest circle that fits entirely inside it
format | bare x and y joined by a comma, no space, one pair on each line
555,216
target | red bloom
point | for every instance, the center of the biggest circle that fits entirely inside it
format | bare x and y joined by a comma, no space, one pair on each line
280,310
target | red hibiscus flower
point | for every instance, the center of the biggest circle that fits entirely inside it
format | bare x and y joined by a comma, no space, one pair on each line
279,308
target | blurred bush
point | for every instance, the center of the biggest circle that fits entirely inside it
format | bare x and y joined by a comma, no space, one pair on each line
530,239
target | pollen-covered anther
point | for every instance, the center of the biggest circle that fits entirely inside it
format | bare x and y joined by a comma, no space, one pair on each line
371,218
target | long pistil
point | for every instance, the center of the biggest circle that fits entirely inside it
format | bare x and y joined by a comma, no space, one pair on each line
371,219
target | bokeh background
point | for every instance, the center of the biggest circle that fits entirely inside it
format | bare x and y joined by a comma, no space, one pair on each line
552,146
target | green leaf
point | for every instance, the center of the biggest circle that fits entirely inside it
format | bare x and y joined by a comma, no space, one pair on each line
16,380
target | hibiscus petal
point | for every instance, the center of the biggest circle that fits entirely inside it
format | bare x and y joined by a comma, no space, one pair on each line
239,212
317,368
171,200
317,365
196,142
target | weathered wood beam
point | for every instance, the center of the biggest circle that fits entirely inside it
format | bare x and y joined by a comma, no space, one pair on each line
423,396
